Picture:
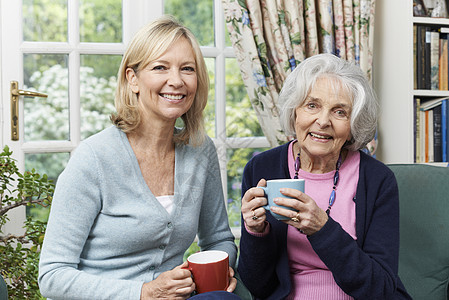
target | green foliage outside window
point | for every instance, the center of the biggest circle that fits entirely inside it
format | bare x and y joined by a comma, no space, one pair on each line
197,15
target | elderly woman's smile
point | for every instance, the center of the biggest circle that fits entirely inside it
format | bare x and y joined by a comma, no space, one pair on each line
319,137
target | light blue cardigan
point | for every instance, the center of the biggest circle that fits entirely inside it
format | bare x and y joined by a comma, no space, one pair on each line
107,234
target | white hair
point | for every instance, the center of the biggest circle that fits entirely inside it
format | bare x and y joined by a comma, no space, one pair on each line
300,82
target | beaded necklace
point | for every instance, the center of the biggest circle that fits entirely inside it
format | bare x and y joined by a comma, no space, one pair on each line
336,178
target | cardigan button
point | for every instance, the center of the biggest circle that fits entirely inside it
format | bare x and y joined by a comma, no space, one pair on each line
170,225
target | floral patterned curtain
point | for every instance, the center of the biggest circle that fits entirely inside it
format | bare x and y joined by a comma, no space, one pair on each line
270,37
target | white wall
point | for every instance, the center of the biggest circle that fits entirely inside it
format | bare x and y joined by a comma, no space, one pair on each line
393,79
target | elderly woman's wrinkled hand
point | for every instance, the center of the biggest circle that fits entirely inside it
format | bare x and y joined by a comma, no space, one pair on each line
308,218
253,211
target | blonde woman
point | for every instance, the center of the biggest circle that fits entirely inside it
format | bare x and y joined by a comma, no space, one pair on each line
134,196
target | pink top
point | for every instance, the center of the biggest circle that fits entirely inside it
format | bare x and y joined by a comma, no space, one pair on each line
311,279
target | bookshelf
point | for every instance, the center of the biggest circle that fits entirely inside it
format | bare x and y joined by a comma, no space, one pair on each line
393,78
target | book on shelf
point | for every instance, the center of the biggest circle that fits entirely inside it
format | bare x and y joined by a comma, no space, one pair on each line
431,57
437,138
443,62
422,134
444,132
427,58
429,104
420,56
415,57
430,141
426,136
416,130
436,59
416,103
431,129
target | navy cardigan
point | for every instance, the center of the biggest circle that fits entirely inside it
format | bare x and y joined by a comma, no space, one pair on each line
364,269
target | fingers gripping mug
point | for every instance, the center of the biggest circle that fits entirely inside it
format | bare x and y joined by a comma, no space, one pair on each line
272,192
210,270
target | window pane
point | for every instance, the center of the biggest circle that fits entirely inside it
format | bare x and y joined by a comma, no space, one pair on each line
209,112
237,159
44,20
101,21
51,164
46,118
197,15
98,80
241,120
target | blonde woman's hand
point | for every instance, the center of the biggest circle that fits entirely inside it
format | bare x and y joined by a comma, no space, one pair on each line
173,284
232,281
253,212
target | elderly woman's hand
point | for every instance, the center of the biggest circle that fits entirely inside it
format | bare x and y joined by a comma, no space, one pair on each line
173,284
252,208
311,218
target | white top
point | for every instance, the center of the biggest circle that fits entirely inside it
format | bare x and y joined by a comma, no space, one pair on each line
167,202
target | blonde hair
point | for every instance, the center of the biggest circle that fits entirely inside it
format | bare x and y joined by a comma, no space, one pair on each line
148,44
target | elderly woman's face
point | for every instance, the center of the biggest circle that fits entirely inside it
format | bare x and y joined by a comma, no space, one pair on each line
323,120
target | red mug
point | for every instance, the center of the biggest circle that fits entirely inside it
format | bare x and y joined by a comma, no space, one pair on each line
210,270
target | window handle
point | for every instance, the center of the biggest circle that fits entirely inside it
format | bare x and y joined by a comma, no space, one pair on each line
15,93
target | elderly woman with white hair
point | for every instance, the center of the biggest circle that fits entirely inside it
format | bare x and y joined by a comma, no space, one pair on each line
341,238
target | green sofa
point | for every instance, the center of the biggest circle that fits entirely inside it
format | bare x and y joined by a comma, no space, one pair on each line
3,289
424,229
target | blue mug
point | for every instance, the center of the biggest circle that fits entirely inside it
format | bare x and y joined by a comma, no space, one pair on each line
272,191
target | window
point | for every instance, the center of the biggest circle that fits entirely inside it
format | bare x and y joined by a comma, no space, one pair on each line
75,61
231,121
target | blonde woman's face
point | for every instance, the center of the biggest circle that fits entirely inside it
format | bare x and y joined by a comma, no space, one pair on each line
166,88
323,120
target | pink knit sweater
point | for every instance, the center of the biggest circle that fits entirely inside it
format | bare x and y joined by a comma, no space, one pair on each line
310,277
